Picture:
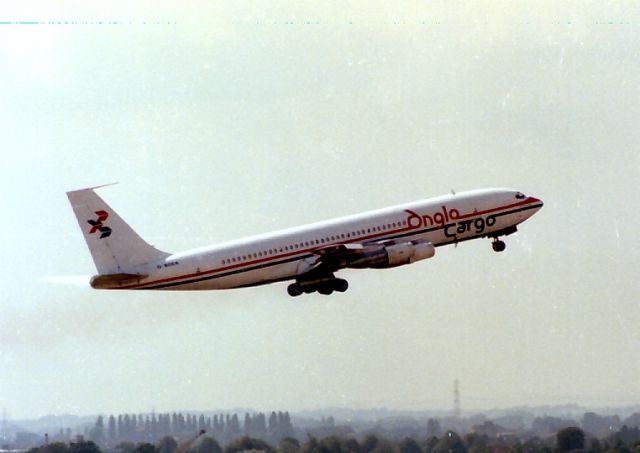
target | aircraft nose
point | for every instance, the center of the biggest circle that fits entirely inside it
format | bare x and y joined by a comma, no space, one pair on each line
536,201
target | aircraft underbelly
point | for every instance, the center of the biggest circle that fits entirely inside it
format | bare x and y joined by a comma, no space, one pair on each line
240,278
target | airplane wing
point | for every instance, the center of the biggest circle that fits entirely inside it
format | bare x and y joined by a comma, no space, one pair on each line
316,273
334,257
372,255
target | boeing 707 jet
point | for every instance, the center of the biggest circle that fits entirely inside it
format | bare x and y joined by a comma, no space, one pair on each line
310,255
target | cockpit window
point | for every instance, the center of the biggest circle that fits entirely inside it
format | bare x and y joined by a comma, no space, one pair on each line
519,195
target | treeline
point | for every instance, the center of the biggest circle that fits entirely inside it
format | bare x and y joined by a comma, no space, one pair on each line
223,427
570,439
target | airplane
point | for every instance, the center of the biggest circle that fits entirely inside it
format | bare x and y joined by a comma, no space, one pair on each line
309,255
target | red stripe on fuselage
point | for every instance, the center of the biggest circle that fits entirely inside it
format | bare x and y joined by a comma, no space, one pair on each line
487,211
311,250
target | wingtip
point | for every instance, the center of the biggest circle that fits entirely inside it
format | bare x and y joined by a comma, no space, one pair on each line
94,187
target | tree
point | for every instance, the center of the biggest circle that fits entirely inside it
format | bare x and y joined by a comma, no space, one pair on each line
408,445
209,445
167,445
125,447
568,439
351,445
111,429
595,445
383,446
475,442
331,444
620,447
273,424
289,445
145,447
248,443
535,445
283,428
260,425
232,429
433,428
97,432
369,442
54,447
633,420
83,447
126,428
627,435
248,425
450,443
311,445
431,444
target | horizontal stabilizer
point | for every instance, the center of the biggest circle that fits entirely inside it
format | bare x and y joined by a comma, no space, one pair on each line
110,281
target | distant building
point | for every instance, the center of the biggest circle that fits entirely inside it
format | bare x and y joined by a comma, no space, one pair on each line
25,439
600,425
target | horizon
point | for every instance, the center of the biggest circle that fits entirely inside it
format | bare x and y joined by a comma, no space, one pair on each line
336,411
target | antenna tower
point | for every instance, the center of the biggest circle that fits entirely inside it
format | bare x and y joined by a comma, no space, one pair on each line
4,435
456,398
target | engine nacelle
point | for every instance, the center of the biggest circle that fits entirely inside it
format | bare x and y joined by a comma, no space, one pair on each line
381,257
410,252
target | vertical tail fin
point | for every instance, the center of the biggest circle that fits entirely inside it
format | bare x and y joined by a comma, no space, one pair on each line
114,246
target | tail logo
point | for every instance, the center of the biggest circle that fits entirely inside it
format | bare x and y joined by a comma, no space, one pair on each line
97,225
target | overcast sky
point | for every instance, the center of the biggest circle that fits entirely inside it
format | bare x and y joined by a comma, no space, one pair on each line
226,120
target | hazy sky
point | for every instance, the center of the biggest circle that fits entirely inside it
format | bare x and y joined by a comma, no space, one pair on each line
225,120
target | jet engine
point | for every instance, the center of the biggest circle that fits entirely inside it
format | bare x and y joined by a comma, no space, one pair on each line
385,256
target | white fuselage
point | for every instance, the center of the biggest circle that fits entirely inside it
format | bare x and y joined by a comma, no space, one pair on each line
289,253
